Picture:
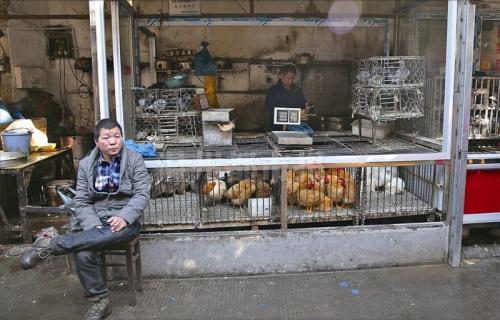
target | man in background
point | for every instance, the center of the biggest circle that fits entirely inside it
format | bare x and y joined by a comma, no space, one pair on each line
286,94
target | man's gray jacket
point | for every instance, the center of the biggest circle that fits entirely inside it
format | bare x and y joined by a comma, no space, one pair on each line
128,202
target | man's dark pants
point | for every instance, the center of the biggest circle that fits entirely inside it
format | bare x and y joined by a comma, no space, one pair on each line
85,245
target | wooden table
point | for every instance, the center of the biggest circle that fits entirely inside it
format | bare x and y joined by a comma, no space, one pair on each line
23,168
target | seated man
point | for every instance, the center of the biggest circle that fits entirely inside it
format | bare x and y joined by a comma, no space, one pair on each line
111,194
286,94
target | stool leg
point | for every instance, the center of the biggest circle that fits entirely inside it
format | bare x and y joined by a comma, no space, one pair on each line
102,255
138,266
130,275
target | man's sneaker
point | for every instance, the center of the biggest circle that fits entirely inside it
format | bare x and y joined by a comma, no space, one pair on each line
99,310
38,252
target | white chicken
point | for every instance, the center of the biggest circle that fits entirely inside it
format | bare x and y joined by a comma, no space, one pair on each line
214,190
394,186
377,177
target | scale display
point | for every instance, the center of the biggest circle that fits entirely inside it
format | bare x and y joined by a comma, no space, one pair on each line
287,116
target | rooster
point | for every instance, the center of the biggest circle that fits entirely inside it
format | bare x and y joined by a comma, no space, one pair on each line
241,192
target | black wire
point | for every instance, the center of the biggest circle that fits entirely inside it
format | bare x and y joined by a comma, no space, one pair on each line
84,94
60,92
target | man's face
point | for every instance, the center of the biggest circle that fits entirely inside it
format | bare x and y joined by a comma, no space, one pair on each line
109,142
287,79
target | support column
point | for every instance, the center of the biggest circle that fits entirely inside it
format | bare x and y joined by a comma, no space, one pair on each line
99,68
460,138
117,62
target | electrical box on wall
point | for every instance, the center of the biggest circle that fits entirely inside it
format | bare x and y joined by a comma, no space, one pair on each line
59,44
30,78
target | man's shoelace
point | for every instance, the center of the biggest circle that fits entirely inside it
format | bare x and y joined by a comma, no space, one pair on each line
96,308
41,247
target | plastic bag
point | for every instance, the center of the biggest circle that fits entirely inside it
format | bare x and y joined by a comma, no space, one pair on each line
147,150
204,64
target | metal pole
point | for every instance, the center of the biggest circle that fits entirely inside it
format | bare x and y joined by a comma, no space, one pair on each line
152,54
117,63
96,11
460,141
449,86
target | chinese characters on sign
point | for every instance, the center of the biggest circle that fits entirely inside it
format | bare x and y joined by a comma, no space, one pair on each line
184,7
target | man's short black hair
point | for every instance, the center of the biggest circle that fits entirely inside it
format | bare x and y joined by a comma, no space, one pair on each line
288,68
106,124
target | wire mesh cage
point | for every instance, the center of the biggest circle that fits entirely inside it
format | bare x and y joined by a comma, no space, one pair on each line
484,111
200,198
191,198
391,71
388,104
360,193
389,88
166,116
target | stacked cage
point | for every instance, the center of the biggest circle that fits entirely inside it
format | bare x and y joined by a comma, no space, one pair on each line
166,116
484,111
389,88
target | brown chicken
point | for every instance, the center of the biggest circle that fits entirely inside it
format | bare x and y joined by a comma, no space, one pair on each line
334,188
292,187
325,204
262,189
241,192
310,196
349,188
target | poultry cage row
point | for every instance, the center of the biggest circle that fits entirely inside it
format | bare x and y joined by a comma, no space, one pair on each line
166,116
389,88
195,199
484,111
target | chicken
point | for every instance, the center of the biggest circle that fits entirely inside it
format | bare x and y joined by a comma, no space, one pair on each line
394,186
241,192
349,192
292,187
334,187
303,176
325,204
310,196
377,177
214,190
262,189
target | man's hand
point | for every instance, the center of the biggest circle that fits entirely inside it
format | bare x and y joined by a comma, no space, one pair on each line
304,114
117,223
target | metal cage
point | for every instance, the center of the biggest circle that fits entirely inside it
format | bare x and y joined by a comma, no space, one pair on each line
391,71
194,198
166,116
389,88
388,104
484,111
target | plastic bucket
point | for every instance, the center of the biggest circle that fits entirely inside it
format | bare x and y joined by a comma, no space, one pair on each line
17,140
52,188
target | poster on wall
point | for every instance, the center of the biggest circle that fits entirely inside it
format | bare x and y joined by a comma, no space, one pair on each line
184,7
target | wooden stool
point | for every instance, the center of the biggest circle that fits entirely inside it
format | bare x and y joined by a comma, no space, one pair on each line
132,252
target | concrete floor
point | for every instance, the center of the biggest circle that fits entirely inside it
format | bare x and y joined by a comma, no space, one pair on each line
422,292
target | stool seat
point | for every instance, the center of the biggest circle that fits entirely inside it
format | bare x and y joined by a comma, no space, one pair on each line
132,252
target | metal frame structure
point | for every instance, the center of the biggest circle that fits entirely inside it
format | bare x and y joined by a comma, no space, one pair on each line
458,36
